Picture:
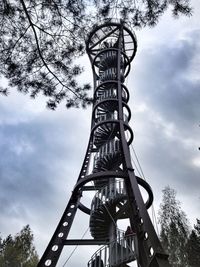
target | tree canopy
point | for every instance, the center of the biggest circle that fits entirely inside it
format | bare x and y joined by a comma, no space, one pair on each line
193,246
41,39
174,228
18,250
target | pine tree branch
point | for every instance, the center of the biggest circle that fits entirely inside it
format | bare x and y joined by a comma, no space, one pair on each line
17,41
40,53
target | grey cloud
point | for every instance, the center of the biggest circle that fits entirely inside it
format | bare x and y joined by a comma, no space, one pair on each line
38,158
166,108
164,82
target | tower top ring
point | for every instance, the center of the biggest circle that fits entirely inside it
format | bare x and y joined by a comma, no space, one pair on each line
106,34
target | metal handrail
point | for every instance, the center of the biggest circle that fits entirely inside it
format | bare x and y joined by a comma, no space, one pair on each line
109,116
115,20
121,250
109,192
110,94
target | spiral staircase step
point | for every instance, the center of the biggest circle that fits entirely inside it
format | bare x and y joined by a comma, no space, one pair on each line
108,74
102,94
105,87
108,162
108,62
100,218
109,105
104,133
98,228
127,255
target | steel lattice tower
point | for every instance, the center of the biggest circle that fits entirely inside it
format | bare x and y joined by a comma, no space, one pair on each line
111,48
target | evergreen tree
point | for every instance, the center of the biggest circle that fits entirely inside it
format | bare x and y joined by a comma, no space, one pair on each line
174,228
197,227
19,250
193,246
39,41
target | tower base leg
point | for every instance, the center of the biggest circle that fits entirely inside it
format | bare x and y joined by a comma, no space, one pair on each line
160,260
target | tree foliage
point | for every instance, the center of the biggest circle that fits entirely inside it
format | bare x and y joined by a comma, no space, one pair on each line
19,250
193,246
40,39
174,228
142,13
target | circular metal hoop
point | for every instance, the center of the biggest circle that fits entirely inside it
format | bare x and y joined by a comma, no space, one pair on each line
110,175
93,44
99,87
126,127
112,100
126,59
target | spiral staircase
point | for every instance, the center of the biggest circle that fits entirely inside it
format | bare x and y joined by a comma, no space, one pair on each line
117,253
110,202
107,167
108,205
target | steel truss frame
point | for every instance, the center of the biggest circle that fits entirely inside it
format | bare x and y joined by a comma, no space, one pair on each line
111,48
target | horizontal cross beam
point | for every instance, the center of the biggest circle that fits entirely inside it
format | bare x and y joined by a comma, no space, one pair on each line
84,242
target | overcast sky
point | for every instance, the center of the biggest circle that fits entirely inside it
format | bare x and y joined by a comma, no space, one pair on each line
42,151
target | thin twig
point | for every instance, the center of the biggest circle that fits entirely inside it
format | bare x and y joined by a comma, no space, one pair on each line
39,51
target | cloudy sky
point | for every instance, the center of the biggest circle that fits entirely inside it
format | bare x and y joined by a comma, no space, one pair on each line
42,151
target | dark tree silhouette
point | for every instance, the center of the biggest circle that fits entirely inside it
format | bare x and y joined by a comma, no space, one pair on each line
193,246
174,228
18,250
40,39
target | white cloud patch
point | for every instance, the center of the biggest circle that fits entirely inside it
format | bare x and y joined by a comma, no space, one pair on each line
196,162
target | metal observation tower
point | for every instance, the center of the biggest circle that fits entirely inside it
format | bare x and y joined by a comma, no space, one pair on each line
107,170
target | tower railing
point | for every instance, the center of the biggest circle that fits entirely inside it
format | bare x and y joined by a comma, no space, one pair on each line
111,191
120,251
105,117
108,90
